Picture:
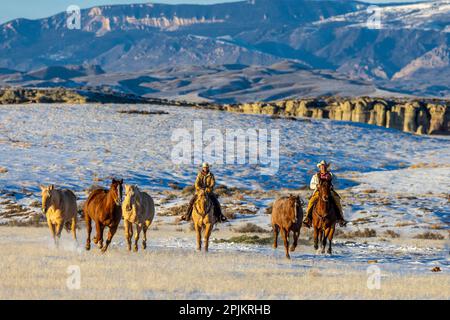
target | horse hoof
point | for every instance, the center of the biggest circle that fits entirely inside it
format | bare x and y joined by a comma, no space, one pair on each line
292,249
135,249
275,246
316,247
144,246
329,252
288,257
88,248
104,249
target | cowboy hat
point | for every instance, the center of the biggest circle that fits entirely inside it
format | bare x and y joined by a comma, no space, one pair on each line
205,165
323,162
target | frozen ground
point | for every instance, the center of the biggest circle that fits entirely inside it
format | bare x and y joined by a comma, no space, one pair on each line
392,183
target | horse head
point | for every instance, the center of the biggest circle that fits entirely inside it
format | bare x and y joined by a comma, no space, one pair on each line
116,190
131,192
324,190
47,195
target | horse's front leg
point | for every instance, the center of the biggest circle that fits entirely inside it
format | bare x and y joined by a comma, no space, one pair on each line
316,238
73,228
144,230
276,231
59,227
208,231
128,232
330,239
294,245
136,237
324,239
99,236
88,221
285,234
52,230
198,232
112,231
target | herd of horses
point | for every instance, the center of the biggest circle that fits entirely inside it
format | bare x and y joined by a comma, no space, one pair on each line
107,207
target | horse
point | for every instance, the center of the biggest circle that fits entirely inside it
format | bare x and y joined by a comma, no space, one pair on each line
137,208
203,217
324,217
287,216
104,207
60,208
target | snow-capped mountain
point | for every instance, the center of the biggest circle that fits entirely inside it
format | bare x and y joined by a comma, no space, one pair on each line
355,39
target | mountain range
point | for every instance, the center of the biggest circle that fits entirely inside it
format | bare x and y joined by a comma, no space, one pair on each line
239,51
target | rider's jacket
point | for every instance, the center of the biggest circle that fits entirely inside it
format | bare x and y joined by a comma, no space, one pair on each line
319,176
205,181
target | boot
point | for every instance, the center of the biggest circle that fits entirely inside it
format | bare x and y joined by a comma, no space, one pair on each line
307,220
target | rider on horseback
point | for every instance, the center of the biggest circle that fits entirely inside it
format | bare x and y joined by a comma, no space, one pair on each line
323,174
205,181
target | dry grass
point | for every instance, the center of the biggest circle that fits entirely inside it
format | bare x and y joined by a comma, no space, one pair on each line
391,234
250,228
366,233
429,236
33,270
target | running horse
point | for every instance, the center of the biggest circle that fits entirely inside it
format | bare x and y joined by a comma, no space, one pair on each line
203,217
324,217
104,207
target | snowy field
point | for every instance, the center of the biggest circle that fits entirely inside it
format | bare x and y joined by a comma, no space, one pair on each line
395,190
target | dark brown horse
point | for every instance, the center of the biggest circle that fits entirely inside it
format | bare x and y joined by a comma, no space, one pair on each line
324,216
287,216
104,207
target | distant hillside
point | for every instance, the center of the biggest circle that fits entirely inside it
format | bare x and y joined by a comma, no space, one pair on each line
320,34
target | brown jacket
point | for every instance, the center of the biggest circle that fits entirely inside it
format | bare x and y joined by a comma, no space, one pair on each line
206,182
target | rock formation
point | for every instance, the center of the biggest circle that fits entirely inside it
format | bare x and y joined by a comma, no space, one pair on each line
420,116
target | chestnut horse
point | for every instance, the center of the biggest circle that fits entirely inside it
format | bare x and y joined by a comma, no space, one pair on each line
287,216
105,208
324,216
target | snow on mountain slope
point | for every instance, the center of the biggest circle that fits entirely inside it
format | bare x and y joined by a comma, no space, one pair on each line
425,15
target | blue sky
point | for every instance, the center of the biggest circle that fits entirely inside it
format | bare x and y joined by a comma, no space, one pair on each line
33,9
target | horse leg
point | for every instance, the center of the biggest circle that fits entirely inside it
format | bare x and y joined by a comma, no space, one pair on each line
208,231
112,231
136,237
316,238
330,239
52,230
324,236
73,228
276,231
127,226
99,237
144,230
285,234
59,227
198,231
294,245
88,221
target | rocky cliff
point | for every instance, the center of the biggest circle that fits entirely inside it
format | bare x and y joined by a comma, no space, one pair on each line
420,116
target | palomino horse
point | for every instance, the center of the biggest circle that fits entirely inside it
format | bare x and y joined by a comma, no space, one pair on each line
324,217
104,207
287,216
60,208
203,217
137,208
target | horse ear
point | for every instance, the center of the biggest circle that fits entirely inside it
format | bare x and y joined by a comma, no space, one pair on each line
42,187
121,181
52,187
